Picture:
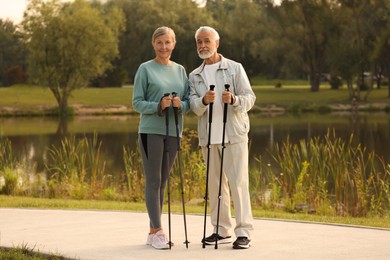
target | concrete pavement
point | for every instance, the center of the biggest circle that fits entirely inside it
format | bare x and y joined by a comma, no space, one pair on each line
114,235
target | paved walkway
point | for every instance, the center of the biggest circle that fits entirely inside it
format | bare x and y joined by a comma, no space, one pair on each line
82,234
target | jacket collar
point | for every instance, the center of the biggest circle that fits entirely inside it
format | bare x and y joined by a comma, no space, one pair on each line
223,65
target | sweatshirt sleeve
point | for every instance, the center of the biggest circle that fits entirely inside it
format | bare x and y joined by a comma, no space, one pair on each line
139,101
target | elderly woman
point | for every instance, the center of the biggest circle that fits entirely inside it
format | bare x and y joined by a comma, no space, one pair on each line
153,79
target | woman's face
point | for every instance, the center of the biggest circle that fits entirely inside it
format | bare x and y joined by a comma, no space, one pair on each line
163,46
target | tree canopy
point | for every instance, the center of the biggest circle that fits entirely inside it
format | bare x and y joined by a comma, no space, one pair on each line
298,39
12,54
69,44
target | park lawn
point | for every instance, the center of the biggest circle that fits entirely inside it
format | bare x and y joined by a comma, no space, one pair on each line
25,96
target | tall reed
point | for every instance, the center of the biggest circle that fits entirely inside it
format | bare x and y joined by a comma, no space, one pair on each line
75,168
8,174
193,171
134,173
6,155
321,175
330,175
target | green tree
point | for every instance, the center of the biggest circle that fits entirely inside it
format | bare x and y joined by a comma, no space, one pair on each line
282,57
143,17
12,54
240,33
380,54
69,44
308,23
361,44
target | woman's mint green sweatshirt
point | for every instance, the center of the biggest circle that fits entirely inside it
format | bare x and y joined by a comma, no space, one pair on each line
151,82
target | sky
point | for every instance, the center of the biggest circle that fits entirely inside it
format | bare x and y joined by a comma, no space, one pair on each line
13,9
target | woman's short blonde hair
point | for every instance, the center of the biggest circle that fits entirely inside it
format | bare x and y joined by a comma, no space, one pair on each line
162,31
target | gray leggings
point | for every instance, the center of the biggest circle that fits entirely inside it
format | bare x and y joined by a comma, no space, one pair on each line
154,160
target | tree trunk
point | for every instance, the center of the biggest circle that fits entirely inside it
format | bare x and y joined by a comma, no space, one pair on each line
388,81
63,106
351,90
62,96
314,82
62,128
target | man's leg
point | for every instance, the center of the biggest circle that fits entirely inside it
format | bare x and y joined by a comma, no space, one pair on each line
213,187
236,168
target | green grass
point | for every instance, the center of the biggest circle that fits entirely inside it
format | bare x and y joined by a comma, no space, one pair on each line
288,96
26,95
176,207
25,253
295,94
29,126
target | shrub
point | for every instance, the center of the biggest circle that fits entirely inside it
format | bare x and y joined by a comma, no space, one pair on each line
335,82
15,75
10,182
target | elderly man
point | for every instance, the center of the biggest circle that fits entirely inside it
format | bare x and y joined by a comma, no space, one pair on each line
230,142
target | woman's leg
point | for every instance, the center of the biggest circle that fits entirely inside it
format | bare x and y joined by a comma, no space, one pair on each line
156,175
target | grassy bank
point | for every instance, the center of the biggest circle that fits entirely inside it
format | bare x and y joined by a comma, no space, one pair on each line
33,100
26,253
191,208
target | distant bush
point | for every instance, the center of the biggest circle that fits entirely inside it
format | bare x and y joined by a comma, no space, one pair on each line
335,82
15,75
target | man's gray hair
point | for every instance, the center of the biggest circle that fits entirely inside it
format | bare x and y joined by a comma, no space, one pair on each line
213,32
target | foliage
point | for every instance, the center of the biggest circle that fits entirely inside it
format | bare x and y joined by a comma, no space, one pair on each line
58,32
15,75
23,252
322,176
12,54
75,169
11,179
300,39
332,175
134,173
193,177
6,156
335,82
135,43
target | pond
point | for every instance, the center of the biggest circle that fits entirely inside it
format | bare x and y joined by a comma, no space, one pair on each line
32,137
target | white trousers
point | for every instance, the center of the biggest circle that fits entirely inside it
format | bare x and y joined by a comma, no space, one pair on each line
235,176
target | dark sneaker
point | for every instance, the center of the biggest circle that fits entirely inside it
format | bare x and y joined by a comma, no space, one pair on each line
242,243
221,240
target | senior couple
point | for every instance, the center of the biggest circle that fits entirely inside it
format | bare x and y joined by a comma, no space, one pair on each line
161,75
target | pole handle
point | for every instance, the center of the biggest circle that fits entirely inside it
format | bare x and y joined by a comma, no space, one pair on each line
166,112
211,106
225,107
174,94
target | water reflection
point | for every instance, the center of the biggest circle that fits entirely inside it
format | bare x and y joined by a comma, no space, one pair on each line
32,137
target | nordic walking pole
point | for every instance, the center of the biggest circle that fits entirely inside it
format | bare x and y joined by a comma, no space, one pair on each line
167,168
175,110
207,170
225,108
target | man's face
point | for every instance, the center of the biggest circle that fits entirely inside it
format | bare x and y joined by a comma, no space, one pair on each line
206,45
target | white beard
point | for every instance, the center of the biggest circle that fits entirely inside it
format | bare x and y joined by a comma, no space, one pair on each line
204,56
